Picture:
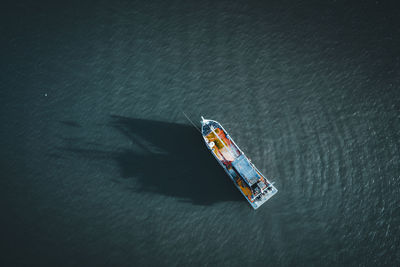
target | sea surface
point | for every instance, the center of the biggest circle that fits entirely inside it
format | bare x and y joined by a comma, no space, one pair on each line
99,166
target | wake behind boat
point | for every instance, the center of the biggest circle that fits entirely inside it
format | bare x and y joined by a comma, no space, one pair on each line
247,178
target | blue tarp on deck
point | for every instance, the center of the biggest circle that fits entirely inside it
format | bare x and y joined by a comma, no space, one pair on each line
244,168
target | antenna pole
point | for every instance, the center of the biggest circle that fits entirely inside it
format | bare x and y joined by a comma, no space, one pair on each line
191,122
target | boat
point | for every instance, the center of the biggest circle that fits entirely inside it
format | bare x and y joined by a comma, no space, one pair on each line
246,177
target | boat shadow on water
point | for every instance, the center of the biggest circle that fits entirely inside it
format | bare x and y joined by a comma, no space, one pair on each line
169,159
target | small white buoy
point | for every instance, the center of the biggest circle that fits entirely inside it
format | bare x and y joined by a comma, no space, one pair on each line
45,94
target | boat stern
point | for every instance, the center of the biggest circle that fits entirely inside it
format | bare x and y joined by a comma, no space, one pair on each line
264,197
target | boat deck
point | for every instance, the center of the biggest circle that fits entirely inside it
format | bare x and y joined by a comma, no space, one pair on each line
223,148
247,178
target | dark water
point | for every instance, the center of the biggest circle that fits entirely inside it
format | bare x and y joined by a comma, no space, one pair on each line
100,168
